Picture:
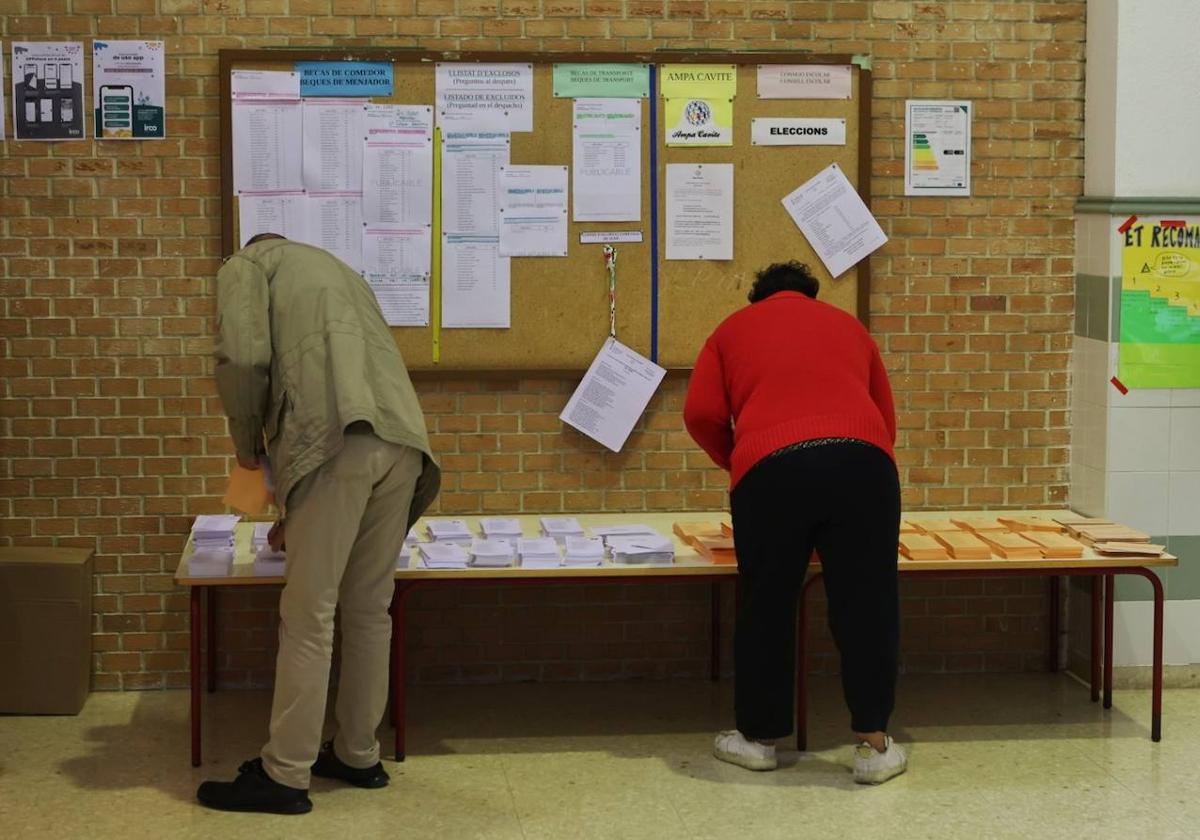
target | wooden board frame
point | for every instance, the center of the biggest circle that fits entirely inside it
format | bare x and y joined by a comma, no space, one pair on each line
552,333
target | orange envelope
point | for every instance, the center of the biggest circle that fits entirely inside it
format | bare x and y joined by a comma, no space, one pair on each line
247,490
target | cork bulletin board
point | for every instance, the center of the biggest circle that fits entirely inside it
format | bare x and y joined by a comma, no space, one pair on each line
665,309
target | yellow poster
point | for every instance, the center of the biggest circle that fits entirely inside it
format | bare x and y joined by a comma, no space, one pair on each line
704,81
1160,304
699,122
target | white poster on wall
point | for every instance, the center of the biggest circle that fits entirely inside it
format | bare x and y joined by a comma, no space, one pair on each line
804,81
47,88
533,211
834,220
333,145
129,90
397,177
486,90
267,146
475,282
285,214
699,211
606,161
797,131
937,147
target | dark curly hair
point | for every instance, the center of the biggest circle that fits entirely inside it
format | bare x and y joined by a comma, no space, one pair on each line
789,276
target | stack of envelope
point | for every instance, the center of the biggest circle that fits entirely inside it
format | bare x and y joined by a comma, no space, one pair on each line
560,527
442,555
212,546
450,531
491,554
583,551
508,530
648,549
539,553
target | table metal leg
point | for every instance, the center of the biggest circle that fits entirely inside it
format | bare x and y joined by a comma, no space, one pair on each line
1156,692
1110,586
211,621
1053,618
195,682
802,664
714,653
398,663
1097,591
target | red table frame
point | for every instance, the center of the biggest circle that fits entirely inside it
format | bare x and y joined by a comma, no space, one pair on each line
1103,587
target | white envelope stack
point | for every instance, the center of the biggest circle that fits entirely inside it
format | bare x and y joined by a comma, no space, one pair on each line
560,527
494,528
450,531
583,551
650,549
438,555
539,553
491,554
212,545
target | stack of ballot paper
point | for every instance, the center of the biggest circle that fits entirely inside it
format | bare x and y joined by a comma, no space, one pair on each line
921,547
539,552
403,558
1030,523
491,554
1109,533
608,532
1055,545
647,549
442,555
267,561
933,526
963,545
494,528
560,527
583,551
1012,546
450,531
212,546
977,523
262,530
411,538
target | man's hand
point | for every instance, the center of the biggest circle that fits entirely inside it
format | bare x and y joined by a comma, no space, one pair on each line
275,537
249,463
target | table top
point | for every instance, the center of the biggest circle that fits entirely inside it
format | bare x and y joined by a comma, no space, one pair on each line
688,564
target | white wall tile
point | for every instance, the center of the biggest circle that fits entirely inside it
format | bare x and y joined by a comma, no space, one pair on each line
1133,625
1183,517
1087,490
1138,499
1185,439
1185,397
1139,397
1138,439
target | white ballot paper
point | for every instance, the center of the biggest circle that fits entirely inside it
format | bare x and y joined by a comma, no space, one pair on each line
267,146
471,162
486,90
397,174
613,394
475,282
533,211
335,224
333,145
607,160
699,211
285,214
834,220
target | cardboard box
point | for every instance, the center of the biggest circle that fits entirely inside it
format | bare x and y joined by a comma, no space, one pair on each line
45,630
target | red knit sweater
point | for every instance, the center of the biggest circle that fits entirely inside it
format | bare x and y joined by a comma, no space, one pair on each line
787,369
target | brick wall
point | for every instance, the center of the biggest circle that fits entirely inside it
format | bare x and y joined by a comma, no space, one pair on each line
112,436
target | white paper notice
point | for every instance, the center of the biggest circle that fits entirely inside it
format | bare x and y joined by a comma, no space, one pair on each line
333,145
505,89
700,211
286,215
613,394
405,303
397,178
937,148
267,147
533,211
265,84
833,218
804,81
607,160
396,265
471,162
475,282
335,224
129,89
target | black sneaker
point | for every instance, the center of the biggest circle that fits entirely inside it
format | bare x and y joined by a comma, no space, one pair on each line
329,766
254,790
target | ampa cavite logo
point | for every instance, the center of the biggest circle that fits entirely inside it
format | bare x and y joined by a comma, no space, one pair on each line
697,113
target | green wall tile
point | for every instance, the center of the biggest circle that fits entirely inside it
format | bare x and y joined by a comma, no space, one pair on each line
1184,579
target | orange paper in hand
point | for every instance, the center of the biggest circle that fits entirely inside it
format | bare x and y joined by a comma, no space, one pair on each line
247,490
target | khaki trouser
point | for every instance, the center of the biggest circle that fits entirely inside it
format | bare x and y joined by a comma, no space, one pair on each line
345,527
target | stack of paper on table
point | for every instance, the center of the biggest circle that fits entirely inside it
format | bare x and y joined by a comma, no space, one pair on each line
442,555
608,532
964,545
1055,545
691,531
267,561
411,538
559,528
495,528
1030,523
491,554
727,528
716,550
1129,549
404,558
932,526
1012,546
646,549
450,531
262,530
539,552
1073,522
922,547
212,546
1110,533
583,551
978,523
907,527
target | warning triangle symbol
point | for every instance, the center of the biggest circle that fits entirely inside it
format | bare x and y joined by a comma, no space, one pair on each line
1145,268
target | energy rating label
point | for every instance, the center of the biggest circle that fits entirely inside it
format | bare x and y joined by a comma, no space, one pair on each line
937,150
1160,303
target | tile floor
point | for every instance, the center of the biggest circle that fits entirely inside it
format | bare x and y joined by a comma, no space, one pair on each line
990,756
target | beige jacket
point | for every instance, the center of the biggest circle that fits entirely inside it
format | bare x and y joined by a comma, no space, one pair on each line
303,352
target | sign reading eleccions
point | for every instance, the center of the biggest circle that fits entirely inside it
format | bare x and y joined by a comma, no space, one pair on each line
345,78
797,131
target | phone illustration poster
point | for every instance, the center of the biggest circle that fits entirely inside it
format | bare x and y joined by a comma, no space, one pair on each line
128,90
47,90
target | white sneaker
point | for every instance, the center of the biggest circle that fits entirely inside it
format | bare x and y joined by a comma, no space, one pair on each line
873,768
733,747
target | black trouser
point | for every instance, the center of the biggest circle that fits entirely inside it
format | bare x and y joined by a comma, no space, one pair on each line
843,499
